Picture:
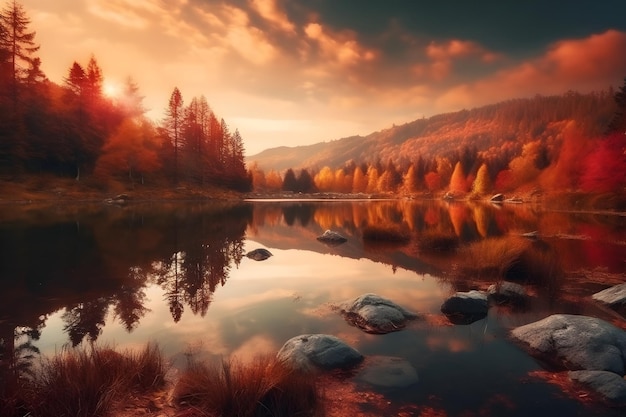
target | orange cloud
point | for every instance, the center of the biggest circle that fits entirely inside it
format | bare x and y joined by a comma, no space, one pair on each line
442,56
268,9
127,13
340,47
586,64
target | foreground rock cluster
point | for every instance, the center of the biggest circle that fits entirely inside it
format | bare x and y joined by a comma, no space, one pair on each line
593,349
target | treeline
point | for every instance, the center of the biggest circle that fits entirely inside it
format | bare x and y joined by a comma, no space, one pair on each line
562,155
76,130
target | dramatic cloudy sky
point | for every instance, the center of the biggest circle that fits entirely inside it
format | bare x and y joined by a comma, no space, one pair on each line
289,72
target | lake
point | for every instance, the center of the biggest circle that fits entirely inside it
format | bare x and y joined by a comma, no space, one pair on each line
177,274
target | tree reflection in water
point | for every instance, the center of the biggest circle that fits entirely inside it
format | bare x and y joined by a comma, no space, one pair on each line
94,264
100,261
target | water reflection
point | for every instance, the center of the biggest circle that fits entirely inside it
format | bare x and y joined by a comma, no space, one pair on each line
146,272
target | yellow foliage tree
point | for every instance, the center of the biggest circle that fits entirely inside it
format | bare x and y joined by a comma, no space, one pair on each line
325,180
410,180
482,183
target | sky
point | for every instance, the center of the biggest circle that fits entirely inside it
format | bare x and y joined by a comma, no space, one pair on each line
295,72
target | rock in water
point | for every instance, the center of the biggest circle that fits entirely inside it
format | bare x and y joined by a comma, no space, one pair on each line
611,386
580,342
614,296
259,254
318,351
375,314
332,238
466,307
507,292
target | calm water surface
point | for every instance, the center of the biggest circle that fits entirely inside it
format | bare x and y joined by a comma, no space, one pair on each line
176,274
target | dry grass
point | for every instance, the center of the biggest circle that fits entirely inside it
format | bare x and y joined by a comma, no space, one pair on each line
513,258
263,387
92,381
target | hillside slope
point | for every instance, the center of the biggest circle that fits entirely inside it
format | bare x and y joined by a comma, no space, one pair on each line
506,125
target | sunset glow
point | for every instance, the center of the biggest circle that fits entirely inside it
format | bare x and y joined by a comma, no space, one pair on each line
320,71
111,89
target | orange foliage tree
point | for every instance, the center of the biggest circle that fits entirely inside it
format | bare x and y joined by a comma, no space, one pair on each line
343,182
131,149
372,179
359,181
458,182
273,181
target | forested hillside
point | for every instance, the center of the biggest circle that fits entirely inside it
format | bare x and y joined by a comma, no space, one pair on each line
573,142
500,129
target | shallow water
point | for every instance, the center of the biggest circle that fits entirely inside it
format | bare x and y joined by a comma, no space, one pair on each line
176,274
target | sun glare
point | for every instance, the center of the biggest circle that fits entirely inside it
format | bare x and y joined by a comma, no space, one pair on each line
110,89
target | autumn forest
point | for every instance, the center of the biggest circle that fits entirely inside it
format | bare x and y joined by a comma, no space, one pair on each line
572,142
75,130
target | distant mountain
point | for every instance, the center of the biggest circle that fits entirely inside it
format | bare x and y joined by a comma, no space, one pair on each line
506,125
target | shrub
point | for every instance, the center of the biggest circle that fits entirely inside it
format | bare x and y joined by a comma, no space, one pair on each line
513,258
264,387
91,381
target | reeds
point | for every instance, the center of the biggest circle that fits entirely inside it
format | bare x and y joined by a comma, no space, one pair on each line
92,381
513,258
262,388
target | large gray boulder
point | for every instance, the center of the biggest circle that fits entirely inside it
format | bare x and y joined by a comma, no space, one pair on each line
375,314
613,296
318,351
580,342
608,384
388,372
466,307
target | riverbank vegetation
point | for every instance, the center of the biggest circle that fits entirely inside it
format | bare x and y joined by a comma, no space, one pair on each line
100,381
83,382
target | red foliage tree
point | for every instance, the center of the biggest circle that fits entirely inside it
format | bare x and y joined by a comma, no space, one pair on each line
605,167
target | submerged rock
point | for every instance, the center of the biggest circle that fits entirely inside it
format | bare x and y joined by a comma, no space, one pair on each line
259,254
388,372
614,296
312,351
466,307
375,314
580,342
609,385
332,238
